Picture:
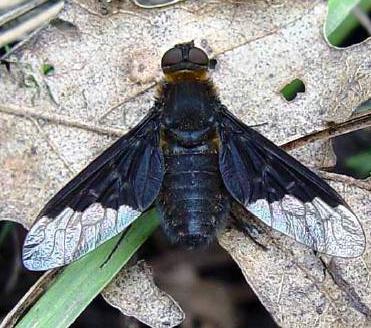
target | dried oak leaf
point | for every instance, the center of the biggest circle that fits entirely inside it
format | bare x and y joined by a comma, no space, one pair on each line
105,70
134,293
301,289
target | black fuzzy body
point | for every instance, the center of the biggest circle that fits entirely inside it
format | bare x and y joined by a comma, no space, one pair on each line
193,200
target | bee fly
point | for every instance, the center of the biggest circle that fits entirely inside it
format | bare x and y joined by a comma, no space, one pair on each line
191,159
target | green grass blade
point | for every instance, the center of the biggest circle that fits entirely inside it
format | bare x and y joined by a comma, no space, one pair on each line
340,20
77,285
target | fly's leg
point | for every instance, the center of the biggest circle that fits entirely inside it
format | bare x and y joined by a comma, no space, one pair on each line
258,125
104,6
248,229
114,249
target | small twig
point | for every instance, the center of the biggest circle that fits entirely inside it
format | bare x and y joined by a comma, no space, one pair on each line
354,299
51,145
123,234
349,181
29,299
355,123
264,35
58,119
140,92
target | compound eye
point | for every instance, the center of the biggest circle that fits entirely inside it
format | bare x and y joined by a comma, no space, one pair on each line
197,56
172,57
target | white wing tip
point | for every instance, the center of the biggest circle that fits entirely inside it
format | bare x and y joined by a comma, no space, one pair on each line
54,242
334,231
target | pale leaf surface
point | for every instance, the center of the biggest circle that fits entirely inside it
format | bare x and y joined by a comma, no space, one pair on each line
299,288
134,293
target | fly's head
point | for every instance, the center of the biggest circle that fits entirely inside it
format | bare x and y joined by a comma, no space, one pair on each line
186,59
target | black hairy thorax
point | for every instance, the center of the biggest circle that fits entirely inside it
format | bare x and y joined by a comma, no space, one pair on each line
193,201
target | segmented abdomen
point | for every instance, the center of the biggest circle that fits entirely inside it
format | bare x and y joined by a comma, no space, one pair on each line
193,199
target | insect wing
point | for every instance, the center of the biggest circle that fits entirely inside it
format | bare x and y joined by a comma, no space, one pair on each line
100,202
283,193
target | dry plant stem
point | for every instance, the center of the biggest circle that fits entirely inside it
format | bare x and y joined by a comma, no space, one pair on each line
58,119
111,109
264,35
349,181
29,299
355,123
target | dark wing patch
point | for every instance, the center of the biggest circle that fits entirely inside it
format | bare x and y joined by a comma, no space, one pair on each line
283,193
100,202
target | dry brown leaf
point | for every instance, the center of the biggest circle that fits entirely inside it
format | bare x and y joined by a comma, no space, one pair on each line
106,68
103,62
301,289
134,293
